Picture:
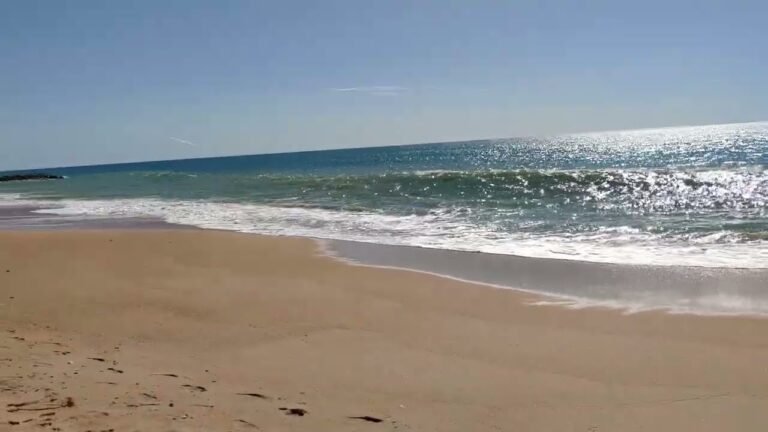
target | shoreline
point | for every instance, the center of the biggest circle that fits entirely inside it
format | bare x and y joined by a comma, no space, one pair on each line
722,250
704,291
576,284
228,315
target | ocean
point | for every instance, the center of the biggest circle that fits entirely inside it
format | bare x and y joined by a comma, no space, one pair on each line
692,196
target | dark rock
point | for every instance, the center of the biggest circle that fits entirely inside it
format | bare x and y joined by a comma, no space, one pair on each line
33,176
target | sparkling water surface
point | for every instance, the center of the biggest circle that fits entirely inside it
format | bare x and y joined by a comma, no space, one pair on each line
673,196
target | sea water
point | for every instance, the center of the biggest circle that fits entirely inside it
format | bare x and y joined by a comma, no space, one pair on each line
693,196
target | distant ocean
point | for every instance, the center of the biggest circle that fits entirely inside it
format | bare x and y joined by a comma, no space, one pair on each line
674,196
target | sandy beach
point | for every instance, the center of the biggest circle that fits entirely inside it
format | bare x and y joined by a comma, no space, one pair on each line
176,330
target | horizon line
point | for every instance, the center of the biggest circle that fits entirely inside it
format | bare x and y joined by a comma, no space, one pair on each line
61,167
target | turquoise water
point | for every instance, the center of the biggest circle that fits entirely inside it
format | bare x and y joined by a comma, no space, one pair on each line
673,196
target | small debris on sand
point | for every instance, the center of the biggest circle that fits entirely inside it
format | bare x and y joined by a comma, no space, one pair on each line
368,419
195,387
256,395
166,374
301,412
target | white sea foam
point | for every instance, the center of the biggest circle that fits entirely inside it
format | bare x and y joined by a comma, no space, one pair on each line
12,200
709,306
435,230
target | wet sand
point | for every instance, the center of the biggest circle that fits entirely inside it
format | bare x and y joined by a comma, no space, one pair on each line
203,330
700,290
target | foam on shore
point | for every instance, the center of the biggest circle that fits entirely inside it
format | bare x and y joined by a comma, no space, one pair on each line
565,282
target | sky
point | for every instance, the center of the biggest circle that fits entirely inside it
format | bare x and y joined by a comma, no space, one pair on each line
85,82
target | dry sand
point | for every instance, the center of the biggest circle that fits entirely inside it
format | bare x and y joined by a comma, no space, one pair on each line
201,330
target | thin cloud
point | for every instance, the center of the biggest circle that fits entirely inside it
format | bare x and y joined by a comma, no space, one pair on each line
189,143
378,90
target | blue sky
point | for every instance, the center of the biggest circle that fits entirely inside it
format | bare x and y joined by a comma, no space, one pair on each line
109,81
